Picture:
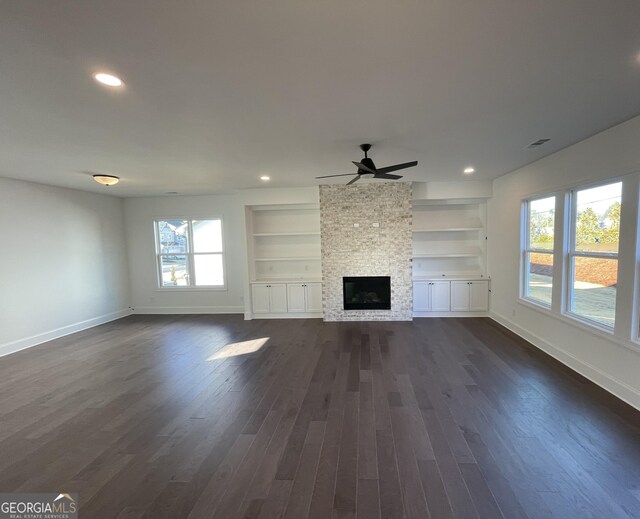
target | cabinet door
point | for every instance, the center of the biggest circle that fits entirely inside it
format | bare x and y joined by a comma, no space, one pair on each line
260,299
460,296
314,297
421,296
295,297
278,298
479,296
440,296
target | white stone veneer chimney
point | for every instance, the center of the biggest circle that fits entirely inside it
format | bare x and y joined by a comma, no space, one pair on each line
352,245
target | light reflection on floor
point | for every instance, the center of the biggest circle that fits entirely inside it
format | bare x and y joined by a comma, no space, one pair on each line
239,348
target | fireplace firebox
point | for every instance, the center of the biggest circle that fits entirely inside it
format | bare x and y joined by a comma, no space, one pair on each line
367,292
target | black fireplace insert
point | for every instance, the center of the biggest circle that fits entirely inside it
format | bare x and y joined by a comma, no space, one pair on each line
367,293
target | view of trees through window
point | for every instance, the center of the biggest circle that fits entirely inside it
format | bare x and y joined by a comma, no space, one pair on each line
594,254
539,253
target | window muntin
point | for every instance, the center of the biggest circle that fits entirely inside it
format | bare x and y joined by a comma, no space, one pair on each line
593,254
190,253
538,250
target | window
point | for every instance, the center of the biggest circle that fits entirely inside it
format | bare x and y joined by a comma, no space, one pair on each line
189,253
538,250
593,253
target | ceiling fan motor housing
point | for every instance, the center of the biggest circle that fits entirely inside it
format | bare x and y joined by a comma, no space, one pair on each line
367,162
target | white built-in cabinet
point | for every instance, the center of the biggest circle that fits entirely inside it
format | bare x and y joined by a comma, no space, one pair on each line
285,274
286,299
269,298
431,296
304,297
469,296
449,257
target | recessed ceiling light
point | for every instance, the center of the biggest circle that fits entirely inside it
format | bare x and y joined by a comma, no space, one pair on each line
106,180
108,79
468,171
265,178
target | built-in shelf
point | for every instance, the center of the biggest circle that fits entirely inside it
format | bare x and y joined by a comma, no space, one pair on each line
286,234
310,258
283,243
450,277
449,229
447,255
287,280
449,240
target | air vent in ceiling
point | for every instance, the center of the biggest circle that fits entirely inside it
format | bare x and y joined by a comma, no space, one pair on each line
537,143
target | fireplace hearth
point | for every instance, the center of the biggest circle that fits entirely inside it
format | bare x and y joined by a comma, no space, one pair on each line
367,292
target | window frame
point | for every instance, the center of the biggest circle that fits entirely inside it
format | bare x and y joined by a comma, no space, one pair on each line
526,249
190,254
572,254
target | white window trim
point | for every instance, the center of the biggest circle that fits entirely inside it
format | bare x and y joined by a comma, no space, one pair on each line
626,331
190,255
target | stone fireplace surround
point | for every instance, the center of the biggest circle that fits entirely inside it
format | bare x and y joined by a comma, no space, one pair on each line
365,230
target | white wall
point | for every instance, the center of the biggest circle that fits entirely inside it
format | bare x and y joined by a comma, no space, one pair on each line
612,362
63,262
146,297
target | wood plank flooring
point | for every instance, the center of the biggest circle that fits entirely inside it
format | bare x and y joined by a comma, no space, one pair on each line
194,417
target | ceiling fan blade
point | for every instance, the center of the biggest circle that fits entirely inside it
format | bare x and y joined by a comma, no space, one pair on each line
389,169
342,175
387,176
353,180
363,167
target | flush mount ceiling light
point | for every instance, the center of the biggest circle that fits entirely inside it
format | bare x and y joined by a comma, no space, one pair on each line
468,171
537,144
265,178
108,79
106,180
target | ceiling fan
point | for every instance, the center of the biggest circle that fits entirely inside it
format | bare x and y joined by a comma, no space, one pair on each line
367,167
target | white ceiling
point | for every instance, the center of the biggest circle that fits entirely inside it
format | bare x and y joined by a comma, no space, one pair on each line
221,92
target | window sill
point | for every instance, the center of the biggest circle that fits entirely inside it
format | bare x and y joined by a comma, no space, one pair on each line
600,332
191,289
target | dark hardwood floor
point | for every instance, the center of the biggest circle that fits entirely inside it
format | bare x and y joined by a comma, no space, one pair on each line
193,417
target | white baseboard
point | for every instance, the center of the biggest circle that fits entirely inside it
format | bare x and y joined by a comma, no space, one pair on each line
34,340
287,315
450,314
177,310
618,388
